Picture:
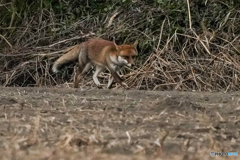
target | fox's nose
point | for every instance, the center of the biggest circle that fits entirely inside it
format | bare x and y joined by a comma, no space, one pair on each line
131,64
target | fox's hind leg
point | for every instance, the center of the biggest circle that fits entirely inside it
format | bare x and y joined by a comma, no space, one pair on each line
80,72
76,77
86,69
84,66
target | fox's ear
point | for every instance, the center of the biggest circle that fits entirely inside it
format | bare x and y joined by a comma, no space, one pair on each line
117,47
135,44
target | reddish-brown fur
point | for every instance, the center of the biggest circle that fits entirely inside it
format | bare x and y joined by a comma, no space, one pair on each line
100,52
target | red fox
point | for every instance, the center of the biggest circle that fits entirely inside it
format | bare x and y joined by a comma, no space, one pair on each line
101,53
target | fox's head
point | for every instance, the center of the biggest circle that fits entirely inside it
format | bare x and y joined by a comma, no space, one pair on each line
127,53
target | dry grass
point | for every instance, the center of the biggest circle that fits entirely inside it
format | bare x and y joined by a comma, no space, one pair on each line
192,58
196,66
71,124
169,70
179,49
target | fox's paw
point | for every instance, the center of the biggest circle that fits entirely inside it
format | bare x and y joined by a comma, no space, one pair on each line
109,87
125,85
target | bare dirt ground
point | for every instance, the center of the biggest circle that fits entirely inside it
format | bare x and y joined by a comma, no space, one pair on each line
52,123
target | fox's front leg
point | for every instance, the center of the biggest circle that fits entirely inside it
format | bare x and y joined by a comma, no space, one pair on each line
118,79
95,79
110,81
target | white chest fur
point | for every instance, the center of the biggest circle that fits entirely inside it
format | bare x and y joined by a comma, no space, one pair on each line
117,63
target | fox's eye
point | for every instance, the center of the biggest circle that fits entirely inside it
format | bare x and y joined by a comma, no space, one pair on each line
126,57
133,57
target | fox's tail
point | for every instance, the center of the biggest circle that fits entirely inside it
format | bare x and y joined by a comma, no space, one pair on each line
71,56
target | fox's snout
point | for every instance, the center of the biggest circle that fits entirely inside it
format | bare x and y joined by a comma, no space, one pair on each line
131,63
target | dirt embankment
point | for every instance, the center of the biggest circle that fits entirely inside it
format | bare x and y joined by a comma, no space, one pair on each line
65,123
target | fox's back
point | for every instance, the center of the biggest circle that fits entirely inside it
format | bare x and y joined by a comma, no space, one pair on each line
99,44
98,49
95,46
